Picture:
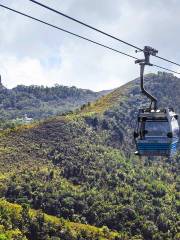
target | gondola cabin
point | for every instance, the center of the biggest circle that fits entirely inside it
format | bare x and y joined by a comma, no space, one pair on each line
157,132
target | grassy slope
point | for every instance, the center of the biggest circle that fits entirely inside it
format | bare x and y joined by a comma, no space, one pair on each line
29,148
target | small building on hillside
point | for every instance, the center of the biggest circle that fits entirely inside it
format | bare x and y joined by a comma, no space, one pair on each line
26,119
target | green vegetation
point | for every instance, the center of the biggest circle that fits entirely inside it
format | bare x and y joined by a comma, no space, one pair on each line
80,168
22,223
40,102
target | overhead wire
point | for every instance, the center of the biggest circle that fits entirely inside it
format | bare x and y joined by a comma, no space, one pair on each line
165,69
98,30
167,60
77,35
85,24
66,31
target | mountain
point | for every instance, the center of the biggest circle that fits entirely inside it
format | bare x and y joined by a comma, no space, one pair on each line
81,167
37,225
40,102
1,85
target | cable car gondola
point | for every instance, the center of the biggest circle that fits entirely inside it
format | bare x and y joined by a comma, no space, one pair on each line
157,131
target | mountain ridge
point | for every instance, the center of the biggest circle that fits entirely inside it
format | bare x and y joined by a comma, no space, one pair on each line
40,102
81,166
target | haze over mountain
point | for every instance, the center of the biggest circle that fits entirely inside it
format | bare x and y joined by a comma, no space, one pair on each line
80,167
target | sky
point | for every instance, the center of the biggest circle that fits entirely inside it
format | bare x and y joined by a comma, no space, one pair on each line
34,54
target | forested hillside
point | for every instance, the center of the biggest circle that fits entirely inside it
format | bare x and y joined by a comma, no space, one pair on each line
40,102
80,167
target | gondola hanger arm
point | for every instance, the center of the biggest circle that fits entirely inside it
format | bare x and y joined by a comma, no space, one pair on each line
148,51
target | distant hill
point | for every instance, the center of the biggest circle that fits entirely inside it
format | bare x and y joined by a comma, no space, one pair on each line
40,102
81,167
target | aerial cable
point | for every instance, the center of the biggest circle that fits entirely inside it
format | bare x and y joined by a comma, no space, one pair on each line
167,60
85,24
77,35
98,30
66,31
165,68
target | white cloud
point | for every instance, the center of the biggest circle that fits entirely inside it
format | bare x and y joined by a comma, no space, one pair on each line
26,71
71,71
31,53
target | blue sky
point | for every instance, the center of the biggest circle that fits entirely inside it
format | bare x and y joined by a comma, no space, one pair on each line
31,53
